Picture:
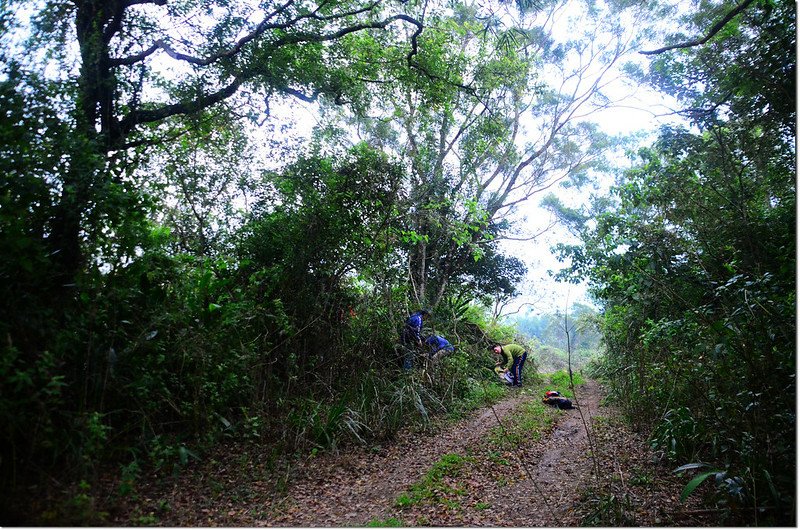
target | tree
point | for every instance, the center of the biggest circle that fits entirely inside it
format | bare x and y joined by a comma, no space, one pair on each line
490,133
203,181
94,303
694,261
142,65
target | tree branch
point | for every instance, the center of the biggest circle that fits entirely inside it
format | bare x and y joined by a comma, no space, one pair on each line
265,26
131,3
133,59
153,115
128,122
714,30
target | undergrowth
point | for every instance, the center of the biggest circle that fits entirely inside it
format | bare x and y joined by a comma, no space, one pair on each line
439,485
559,381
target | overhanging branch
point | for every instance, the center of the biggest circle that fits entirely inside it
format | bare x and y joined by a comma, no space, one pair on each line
714,30
202,101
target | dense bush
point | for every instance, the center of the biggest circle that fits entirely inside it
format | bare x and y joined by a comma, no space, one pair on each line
695,264
291,341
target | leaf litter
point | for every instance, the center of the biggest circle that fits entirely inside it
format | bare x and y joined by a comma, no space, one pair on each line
551,481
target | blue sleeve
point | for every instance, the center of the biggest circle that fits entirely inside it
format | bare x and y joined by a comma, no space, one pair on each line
437,343
415,323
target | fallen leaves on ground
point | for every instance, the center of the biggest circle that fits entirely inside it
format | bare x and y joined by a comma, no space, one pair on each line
551,482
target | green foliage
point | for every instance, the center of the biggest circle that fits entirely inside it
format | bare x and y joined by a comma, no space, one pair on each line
79,509
609,510
432,487
479,393
496,331
696,481
641,478
560,381
319,424
386,523
531,421
678,434
550,344
694,260
130,475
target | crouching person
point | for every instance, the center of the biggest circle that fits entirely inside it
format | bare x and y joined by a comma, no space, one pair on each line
411,337
512,360
439,347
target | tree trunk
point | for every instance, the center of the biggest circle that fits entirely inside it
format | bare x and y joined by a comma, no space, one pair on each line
87,153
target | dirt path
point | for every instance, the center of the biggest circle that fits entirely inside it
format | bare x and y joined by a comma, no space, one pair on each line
361,488
498,475
557,466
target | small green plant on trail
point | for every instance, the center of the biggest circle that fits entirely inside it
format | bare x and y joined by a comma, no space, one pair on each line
640,478
529,424
78,510
388,523
496,457
146,520
560,382
438,484
610,510
130,475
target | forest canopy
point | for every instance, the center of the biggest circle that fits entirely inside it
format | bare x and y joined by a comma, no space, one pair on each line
177,270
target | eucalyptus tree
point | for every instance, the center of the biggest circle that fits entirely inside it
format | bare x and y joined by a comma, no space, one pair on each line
496,115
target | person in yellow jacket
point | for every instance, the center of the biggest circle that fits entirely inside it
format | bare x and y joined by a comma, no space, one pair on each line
512,360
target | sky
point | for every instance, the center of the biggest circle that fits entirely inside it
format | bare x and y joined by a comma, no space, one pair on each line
640,110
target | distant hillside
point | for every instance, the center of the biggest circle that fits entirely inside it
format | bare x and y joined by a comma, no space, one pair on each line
547,332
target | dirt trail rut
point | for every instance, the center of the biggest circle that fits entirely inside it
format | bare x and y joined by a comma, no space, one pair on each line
536,484
504,475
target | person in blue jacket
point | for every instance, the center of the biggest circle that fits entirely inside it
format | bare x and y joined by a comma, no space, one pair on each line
439,347
411,336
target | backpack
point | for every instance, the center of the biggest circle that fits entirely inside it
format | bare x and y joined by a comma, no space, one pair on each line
559,402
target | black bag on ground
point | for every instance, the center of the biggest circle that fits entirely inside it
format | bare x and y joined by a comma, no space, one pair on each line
558,402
